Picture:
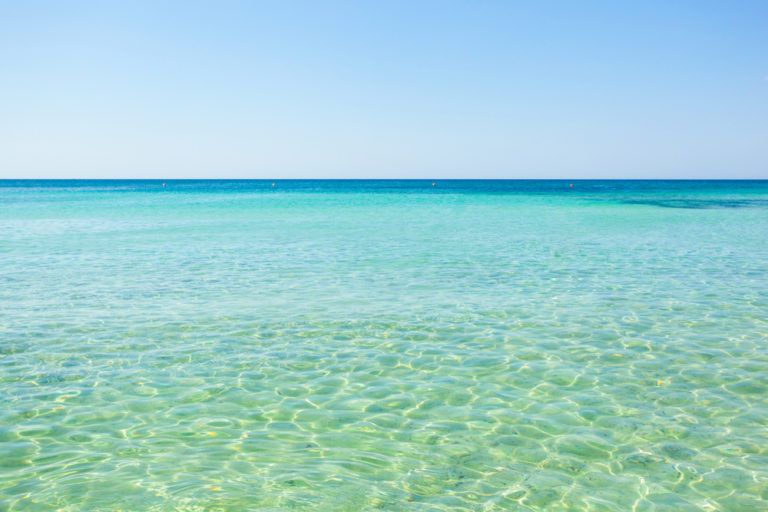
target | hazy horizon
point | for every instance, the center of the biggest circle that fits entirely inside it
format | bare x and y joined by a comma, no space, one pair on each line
347,90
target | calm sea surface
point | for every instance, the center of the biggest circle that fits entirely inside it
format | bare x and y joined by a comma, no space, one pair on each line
383,345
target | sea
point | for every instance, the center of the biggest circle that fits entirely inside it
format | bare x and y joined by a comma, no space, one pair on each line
383,345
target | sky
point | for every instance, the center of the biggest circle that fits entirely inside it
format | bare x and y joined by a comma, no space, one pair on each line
384,89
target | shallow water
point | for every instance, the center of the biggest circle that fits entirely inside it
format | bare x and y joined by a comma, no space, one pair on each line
344,346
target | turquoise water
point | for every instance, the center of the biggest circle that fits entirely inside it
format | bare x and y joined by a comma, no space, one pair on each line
394,346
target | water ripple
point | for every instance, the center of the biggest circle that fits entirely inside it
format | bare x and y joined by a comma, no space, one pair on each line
229,351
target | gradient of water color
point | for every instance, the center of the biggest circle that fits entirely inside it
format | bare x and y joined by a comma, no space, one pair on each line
379,345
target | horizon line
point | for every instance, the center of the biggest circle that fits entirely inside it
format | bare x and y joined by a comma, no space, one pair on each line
383,179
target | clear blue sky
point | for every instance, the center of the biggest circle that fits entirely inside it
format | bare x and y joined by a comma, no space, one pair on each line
385,89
